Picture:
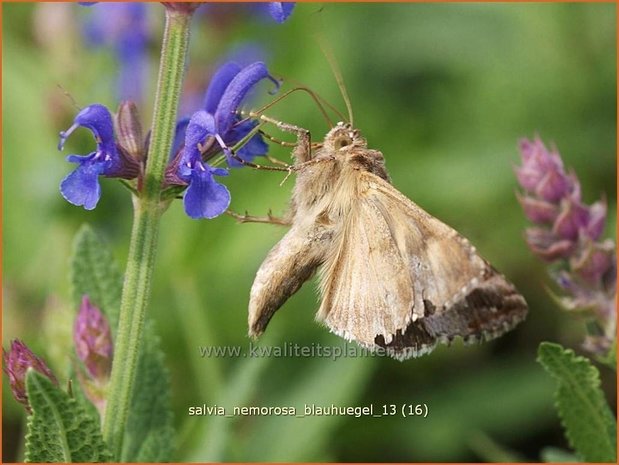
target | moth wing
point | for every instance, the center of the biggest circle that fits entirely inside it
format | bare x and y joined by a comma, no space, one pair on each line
454,291
366,287
289,264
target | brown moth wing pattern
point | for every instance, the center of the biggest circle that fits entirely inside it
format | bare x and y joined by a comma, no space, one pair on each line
454,292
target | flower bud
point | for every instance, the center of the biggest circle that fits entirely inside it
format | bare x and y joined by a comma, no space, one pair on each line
554,186
17,361
573,218
129,130
597,220
594,260
93,341
537,210
547,246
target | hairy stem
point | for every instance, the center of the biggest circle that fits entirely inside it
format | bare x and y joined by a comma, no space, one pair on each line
144,234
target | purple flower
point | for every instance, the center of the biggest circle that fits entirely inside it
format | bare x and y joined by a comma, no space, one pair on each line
213,129
124,27
17,361
81,187
568,232
93,341
280,11
552,199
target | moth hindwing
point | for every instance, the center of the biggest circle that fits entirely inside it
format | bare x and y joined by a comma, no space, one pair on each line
391,275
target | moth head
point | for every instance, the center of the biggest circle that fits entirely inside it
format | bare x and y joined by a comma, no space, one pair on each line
343,137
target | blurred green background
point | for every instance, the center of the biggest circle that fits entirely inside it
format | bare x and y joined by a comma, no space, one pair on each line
444,91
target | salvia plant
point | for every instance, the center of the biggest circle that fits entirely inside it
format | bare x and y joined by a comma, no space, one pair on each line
97,414
568,235
104,418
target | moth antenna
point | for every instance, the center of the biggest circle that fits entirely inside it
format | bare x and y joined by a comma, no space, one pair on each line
317,100
325,102
67,94
337,73
330,56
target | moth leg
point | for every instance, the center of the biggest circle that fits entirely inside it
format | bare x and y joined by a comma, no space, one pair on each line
269,218
303,147
230,153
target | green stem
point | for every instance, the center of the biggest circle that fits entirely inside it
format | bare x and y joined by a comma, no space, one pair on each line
143,246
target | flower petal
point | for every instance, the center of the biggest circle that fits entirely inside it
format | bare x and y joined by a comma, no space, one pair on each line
236,91
597,220
98,119
254,147
205,198
179,136
200,126
81,187
280,11
572,218
219,82
546,245
537,210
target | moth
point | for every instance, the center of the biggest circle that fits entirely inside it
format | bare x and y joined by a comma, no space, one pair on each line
390,274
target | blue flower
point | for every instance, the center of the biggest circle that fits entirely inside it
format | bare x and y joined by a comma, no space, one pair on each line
124,27
228,88
280,11
205,197
81,187
216,128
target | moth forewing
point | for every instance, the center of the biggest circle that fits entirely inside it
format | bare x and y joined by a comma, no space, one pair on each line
392,276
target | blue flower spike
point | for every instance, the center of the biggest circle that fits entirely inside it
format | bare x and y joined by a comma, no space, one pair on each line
215,129
280,11
124,27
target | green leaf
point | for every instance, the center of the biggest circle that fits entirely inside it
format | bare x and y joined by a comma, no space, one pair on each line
59,430
589,425
149,432
95,273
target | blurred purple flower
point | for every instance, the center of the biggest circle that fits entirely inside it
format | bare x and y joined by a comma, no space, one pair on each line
215,129
81,187
280,11
17,361
124,27
93,341
568,233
